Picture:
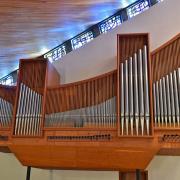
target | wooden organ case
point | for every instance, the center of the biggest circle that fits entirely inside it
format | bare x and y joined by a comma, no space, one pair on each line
109,122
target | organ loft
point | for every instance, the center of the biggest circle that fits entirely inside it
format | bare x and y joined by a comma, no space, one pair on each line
118,120
127,115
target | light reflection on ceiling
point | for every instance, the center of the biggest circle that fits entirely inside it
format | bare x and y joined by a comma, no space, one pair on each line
31,28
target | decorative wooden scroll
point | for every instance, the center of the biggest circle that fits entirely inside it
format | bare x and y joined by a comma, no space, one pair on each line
166,84
33,79
134,85
89,103
7,100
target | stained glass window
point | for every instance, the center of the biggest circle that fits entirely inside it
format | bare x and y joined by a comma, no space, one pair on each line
137,8
82,39
110,23
7,81
56,54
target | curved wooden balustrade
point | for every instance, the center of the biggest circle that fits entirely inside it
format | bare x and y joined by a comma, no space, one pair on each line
89,103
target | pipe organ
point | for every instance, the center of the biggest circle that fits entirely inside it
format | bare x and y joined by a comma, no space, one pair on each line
118,120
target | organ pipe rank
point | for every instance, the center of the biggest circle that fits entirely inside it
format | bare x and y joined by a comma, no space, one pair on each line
166,93
134,98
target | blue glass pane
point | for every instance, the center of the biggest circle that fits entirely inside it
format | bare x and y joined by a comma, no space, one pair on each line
137,8
56,54
79,41
7,81
110,23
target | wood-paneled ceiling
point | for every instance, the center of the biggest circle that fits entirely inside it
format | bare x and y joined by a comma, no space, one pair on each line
29,28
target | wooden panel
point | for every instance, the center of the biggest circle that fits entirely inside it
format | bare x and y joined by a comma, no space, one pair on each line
81,94
32,72
166,58
128,44
53,77
8,93
85,155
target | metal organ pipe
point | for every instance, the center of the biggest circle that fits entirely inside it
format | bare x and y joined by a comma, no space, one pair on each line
28,112
122,98
146,89
164,100
141,91
6,109
176,101
155,103
131,95
172,98
169,99
136,93
161,102
126,113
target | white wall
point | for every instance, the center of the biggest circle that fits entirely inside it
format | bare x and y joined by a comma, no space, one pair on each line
164,168
162,21
11,169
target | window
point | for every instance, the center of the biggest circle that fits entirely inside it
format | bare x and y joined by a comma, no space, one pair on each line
82,39
137,8
56,54
7,81
110,23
